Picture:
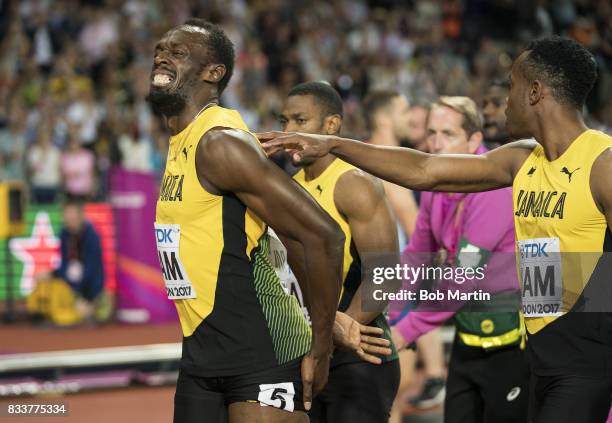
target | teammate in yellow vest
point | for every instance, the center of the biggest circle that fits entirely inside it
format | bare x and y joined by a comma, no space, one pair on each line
357,391
246,343
563,215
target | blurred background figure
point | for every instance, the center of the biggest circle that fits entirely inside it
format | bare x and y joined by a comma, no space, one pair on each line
494,104
43,168
13,145
81,254
386,115
416,135
81,270
77,166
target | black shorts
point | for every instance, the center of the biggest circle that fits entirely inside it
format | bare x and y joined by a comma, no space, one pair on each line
198,398
357,392
486,386
570,399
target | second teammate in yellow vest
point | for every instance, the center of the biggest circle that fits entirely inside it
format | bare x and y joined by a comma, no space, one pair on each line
356,390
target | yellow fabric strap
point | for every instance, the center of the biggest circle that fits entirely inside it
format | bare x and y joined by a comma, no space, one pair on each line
491,341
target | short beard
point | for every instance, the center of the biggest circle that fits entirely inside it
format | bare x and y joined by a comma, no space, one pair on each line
165,103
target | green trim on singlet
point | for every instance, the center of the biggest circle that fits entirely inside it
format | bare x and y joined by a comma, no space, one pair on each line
289,330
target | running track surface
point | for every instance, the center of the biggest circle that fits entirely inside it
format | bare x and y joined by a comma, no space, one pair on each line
25,338
130,405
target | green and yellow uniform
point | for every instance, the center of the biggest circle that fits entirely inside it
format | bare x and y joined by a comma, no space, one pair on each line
561,235
322,189
213,251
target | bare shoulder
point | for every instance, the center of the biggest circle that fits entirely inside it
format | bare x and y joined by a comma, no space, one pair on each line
357,180
601,172
520,147
229,159
219,143
601,178
357,190
511,156
604,161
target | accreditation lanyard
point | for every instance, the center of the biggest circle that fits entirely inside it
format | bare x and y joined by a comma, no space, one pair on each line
456,232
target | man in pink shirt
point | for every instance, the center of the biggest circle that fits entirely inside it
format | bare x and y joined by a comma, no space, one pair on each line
488,377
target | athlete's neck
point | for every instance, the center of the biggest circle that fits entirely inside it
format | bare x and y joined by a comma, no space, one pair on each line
316,168
383,136
180,121
558,129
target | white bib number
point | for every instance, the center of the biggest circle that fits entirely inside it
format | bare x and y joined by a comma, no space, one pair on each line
278,259
541,277
278,395
178,285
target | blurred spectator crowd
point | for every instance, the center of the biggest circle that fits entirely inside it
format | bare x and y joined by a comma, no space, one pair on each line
74,74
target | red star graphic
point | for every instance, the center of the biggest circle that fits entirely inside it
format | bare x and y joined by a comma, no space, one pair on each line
38,253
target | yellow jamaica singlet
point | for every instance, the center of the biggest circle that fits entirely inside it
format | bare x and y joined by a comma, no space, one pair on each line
561,235
234,314
322,189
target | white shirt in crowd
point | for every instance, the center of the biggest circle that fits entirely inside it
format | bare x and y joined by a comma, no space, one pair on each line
135,155
44,165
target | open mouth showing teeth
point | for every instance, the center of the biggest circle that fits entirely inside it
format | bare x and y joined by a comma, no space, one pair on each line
161,80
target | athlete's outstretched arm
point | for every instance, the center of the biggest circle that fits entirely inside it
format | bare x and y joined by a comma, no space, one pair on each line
231,161
410,168
361,199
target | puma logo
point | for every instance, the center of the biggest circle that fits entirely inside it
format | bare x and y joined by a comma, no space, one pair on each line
186,150
319,189
568,173
531,171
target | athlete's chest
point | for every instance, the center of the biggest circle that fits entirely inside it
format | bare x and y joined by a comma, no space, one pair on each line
181,197
554,197
322,190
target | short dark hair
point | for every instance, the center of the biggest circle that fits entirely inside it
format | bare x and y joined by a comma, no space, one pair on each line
565,66
327,97
375,101
501,83
220,48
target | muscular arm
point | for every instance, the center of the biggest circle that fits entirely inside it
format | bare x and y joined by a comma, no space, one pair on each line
600,184
361,199
410,168
230,160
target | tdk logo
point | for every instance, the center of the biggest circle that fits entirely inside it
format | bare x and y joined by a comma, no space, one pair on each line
164,236
535,250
